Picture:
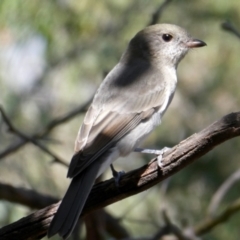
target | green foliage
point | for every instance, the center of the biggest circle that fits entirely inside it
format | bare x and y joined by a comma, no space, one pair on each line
82,41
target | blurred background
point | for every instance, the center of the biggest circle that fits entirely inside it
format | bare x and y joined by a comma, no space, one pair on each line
54,55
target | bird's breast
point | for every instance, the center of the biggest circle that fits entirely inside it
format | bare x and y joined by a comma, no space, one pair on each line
170,87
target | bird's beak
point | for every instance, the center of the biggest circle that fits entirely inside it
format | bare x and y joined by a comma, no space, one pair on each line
194,43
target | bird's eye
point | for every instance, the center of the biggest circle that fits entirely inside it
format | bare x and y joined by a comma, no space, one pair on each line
167,37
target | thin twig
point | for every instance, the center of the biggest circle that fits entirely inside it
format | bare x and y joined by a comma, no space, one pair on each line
209,223
14,130
41,134
157,14
228,26
221,192
26,197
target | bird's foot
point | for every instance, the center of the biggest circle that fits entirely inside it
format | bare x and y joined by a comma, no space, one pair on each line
157,152
116,175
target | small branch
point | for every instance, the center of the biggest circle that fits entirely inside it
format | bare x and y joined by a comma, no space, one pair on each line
168,229
63,119
157,14
26,197
53,124
14,130
134,182
221,192
210,222
227,26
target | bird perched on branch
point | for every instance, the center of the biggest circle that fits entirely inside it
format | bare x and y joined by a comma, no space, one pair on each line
128,105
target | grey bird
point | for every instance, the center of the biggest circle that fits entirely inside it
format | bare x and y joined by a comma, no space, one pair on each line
127,106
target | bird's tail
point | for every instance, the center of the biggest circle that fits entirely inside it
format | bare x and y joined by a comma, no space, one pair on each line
73,202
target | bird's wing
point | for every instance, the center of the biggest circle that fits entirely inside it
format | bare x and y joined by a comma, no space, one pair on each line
112,116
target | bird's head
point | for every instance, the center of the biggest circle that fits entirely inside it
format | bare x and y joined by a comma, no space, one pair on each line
162,44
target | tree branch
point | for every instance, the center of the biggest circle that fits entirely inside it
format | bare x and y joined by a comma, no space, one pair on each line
41,134
157,14
228,26
22,135
222,191
106,193
210,222
27,197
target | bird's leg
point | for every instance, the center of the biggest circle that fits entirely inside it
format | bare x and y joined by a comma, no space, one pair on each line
116,175
159,153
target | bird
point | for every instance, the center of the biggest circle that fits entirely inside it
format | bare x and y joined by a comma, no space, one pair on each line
128,105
